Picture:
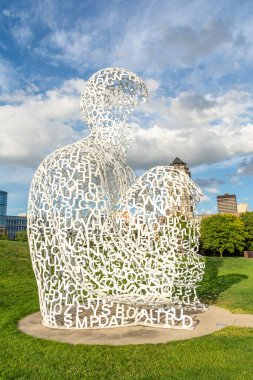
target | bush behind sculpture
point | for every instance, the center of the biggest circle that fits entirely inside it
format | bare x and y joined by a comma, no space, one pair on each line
21,236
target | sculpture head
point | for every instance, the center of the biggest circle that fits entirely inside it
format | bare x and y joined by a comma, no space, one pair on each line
107,100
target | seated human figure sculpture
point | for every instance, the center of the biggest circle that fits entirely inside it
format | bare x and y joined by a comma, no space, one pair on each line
110,249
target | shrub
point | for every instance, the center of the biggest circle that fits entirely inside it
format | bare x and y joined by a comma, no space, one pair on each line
3,236
21,236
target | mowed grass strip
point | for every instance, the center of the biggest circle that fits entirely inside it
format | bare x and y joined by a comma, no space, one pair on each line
227,354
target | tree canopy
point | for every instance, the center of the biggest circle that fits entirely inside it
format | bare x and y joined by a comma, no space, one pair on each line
247,219
223,234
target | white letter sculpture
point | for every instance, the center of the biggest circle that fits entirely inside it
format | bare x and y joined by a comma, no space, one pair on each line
109,249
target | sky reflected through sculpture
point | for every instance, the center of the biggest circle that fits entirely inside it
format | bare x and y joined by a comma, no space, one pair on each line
110,249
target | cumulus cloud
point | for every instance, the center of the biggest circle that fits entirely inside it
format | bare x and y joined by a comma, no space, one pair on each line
210,185
199,129
185,44
202,47
33,125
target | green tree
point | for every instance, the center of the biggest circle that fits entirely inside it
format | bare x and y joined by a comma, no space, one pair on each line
247,219
3,236
21,236
223,234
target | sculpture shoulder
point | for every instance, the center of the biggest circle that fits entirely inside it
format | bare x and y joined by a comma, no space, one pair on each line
68,157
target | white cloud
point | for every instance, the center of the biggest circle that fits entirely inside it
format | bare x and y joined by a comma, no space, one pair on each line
147,37
23,35
212,190
33,125
209,211
8,13
209,183
199,46
176,37
8,76
73,47
199,129
157,38
205,198
152,85
235,180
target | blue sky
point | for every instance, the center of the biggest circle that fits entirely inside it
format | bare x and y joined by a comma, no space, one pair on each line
195,56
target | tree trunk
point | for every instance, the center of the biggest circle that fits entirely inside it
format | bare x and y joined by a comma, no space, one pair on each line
221,255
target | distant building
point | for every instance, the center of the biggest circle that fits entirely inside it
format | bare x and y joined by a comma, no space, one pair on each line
10,224
15,224
3,208
186,204
242,207
181,165
227,204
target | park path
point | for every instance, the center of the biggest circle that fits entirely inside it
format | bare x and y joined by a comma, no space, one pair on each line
243,320
213,319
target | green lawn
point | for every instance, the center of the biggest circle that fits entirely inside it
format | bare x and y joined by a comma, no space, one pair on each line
227,354
228,283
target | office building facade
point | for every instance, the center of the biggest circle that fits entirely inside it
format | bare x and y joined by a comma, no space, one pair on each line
242,207
10,224
227,204
15,224
3,208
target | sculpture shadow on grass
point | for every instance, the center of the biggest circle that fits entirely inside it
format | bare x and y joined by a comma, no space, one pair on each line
212,284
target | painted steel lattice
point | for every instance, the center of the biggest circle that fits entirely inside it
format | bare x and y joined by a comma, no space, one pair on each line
109,249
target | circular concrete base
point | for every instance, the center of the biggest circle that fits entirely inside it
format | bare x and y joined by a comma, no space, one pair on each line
215,318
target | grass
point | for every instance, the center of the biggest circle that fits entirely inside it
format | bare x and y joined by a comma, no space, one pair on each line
228,283
227,354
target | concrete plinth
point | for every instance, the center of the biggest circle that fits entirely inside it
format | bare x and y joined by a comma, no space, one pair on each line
214,319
